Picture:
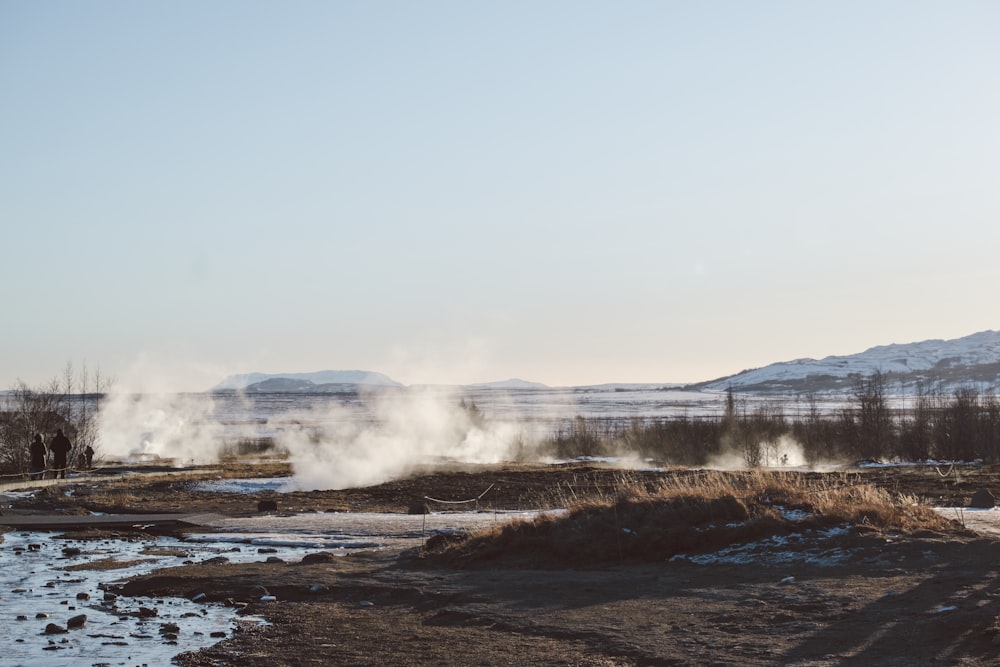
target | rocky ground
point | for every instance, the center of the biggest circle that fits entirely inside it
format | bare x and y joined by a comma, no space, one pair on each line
930,598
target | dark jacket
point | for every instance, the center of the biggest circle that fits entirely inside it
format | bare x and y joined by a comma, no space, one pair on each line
37,454
60,446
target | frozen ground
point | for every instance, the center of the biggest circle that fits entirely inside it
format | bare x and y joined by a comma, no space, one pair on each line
40,584
35,581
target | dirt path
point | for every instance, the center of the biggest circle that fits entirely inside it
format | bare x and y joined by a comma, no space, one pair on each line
911,602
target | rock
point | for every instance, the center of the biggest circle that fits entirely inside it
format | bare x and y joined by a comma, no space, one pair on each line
171,628
77,621
274,559
983,499
267,506
41,614
267,550
146,612
22,617
318,557
83,596
54,629
71,551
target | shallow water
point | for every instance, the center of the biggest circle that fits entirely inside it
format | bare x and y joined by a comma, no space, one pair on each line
36,589
34,580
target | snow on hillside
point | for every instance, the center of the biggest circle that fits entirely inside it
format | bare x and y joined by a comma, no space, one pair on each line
236,382
976,350
513,383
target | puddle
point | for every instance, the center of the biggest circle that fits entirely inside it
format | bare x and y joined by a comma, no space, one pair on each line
36,589
34,580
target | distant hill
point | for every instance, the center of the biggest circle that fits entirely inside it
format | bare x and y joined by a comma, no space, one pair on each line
942,364
513,383
304,382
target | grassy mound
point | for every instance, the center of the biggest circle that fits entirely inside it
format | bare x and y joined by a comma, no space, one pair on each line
689,515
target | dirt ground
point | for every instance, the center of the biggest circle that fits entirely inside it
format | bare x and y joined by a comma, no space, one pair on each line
891,600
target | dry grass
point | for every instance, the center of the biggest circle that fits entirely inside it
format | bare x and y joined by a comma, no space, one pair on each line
689,514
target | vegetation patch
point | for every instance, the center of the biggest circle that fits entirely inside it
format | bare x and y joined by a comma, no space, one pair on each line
686,515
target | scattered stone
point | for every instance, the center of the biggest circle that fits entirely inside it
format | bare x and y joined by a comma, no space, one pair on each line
34,547
267,550
54,629
170,628
110,597
41,614
71,551
218,560
274,559
83,596
22,617
217,634
983,499
146,612
77,621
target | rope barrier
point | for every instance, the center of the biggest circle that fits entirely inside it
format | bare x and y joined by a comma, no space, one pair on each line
462,502
27,475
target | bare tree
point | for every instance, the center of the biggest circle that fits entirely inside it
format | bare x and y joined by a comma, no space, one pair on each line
872,419
69,403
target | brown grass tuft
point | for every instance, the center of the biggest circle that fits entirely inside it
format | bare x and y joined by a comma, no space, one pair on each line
688,514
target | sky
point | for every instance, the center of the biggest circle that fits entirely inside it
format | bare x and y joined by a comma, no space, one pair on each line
567,192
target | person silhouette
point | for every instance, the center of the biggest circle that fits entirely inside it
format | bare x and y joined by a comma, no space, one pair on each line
38,452
60,447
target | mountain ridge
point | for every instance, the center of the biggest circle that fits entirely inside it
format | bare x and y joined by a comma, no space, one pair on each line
945,364
948,363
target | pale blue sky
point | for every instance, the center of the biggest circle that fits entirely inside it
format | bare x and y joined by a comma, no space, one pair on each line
568,192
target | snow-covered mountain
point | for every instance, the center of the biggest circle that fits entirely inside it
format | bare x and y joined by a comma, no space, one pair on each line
945,364
314,381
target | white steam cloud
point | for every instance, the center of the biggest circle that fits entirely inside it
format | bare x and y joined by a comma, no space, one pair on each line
149,427
331,449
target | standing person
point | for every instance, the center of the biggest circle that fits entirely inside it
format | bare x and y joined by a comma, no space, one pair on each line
37,450
88,454
60,447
